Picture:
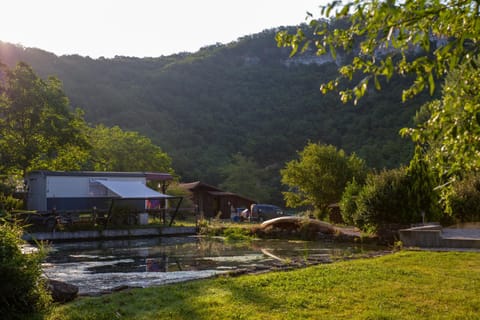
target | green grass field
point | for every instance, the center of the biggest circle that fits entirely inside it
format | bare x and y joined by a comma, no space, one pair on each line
404,285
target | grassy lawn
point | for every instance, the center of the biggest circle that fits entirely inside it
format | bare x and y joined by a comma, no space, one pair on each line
405,285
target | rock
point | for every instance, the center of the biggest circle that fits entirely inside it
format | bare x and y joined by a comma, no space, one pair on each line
121,288
61,291
299,224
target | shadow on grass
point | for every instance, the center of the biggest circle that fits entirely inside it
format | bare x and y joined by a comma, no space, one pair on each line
222,299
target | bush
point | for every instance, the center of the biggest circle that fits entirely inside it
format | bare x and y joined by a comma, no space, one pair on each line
8,203
383,200
464,200
237,234
22,289
389,197
348,203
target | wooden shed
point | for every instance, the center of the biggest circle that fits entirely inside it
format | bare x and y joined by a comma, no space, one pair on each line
214,202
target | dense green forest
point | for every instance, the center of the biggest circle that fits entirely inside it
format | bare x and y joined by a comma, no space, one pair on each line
246,97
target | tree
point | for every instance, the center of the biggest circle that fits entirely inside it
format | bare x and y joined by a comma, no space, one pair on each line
428,39
386,34
450,134
423,197
116,150
319,176
36,121
246,178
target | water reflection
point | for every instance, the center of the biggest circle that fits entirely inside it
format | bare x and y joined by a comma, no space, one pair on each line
98,266
158,265
466,225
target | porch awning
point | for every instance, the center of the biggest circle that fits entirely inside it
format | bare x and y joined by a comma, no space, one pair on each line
132,190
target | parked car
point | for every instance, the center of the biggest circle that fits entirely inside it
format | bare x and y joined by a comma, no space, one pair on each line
262,212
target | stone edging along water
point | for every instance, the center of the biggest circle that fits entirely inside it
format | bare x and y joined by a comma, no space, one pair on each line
435,236
108,234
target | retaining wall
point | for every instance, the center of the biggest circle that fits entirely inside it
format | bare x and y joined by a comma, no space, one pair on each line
433,236
108,234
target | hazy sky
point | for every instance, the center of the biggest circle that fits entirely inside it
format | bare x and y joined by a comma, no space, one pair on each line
141,28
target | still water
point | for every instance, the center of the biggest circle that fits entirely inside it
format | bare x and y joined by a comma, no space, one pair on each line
101,266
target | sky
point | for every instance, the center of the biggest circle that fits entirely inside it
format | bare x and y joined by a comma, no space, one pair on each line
142,28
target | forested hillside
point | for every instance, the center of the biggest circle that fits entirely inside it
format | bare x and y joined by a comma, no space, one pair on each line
246,97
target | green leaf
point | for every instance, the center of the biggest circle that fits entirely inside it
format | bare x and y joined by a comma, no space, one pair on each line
431,83
454,132
477,117
333,52
377,83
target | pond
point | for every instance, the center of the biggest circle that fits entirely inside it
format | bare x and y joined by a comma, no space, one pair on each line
103,266
466,225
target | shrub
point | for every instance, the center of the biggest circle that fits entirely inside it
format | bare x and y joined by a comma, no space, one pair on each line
22,289
6,187
464,200
8,202
390,197
348,203
382,200
423,183
237,234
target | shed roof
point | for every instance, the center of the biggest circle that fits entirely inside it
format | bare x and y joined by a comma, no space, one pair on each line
222,193
132,190
194,185
214,191
148,175
229,194
158,176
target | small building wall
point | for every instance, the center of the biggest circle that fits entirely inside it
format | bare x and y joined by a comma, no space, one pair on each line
228,200
67,191
207,205
213,202
82,186
416,237
37,186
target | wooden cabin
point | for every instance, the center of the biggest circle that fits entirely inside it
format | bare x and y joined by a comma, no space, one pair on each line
212,202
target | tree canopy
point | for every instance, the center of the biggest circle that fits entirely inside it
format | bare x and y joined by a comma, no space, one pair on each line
245,177
441,35
116,150
425,40
38,130
318,178
36,120
450,136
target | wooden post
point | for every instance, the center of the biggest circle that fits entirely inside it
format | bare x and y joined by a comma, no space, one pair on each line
109,214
